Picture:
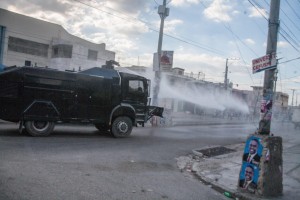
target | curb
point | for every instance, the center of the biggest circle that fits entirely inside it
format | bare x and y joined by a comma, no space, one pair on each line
233,194
221,188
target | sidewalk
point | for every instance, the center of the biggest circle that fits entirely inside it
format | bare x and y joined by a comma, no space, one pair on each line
222,172
187,119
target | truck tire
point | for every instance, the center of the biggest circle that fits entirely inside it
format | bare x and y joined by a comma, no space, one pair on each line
39,128
121,127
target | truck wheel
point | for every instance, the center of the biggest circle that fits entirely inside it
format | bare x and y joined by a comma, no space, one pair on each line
121,127
39,128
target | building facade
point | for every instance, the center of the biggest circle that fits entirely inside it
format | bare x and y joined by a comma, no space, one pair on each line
26,41
254,98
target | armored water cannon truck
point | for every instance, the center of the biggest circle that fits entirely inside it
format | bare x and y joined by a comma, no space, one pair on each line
38,98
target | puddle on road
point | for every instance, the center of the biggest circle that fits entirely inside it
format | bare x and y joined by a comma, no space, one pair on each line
215,151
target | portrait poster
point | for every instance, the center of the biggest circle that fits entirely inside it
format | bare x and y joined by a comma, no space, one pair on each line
164,62
253,150
249,177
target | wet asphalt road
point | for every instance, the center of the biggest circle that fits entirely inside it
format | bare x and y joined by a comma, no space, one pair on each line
80,163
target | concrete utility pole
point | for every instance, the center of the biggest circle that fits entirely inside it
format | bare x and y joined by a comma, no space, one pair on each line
269,165
267,103
269,182
226,74
163,12
293,98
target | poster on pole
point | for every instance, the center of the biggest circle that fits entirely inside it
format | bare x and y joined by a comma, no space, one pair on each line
164,63
264,63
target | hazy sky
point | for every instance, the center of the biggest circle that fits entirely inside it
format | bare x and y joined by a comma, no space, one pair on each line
202,33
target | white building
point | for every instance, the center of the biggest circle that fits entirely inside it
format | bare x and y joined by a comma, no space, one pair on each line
26,41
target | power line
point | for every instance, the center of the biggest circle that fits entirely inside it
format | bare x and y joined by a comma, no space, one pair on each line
48,41
40,37
156,2
288,36
295,38
288,41
292,21
291,77
292,9
259,6
228,27
285,37
185,40
150,28
289,60
210,50
258,10
258,26
267,3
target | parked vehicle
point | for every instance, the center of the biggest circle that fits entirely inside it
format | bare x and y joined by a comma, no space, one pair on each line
38,98
296,117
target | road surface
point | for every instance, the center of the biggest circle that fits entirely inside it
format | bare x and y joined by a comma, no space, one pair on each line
78,162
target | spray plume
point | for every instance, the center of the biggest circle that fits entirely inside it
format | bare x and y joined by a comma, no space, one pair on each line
204,96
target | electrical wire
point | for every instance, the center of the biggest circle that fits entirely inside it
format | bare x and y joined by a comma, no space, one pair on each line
198,45
287,2
48,41
288,36
291,77
235,36
156,2
282,34
258,10
292,21
279,70
228,27
267,3
289,60
289,42
291,32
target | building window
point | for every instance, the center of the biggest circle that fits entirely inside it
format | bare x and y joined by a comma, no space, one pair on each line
62,51
55,52
27,63
92,55
27,47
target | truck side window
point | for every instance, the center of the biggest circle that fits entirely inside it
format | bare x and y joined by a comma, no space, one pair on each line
136,86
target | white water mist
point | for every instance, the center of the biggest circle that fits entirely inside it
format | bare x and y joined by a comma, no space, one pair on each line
205,96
